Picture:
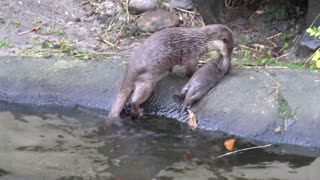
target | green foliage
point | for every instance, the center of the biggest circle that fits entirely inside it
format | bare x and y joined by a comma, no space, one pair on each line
284,109
4,44
315,32
56,31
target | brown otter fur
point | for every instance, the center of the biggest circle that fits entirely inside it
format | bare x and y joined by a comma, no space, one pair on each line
203,80
159,54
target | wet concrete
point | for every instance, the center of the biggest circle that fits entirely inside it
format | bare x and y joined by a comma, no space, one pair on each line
244,103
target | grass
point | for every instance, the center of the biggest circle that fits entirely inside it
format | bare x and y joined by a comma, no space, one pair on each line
56,31
284,109
246,57
63,47
4,43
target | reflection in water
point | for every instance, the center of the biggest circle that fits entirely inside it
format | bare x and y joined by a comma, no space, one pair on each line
64,143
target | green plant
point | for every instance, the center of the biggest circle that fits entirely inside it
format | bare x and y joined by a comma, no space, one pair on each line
315,32
56,31
4,43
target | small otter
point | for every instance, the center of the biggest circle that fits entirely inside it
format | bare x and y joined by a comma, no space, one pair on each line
203,80
159,54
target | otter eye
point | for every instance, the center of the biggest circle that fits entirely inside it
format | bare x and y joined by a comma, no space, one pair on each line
224,40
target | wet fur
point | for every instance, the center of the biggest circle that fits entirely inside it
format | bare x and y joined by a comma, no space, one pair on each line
203,80
159,54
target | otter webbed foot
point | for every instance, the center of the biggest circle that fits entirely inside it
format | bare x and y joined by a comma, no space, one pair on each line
112,122
137,112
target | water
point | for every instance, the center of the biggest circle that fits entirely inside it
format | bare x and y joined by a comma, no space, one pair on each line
65,143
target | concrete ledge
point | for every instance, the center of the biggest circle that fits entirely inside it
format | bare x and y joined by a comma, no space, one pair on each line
244,103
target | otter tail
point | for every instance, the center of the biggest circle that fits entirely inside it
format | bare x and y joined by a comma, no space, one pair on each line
123,95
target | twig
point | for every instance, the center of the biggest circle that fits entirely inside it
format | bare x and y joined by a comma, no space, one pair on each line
314,20
183,10
227,4
245,149
274,44
127,11
246,47
109,43
278,34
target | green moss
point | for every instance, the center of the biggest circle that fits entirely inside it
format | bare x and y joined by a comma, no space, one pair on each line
4,44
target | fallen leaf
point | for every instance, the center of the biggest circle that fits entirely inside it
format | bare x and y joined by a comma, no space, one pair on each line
186,158
229,144
192,121
35,28
259,12
277,130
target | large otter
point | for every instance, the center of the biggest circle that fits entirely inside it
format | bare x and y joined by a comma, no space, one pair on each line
159,54
203,81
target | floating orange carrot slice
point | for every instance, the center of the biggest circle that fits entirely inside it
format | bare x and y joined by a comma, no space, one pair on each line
229,144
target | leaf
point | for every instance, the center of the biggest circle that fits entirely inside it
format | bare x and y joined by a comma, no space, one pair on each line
312,33
35,28
229,144
316,56
309,30
192,121
285,46
318,64
259,12
277,130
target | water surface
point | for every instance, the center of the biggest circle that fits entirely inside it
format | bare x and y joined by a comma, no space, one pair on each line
65,143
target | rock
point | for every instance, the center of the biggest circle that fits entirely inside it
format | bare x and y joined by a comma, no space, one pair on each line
210,10
307,46
140,6
183,4
108,10
313,12
152,21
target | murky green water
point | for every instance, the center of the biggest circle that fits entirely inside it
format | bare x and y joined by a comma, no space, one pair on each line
56,143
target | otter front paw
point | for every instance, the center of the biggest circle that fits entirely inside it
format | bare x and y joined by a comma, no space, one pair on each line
137,112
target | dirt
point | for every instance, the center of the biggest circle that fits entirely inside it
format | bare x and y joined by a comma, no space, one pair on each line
67,27
100,30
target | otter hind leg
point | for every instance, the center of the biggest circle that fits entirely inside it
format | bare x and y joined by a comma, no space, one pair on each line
141,93
120,101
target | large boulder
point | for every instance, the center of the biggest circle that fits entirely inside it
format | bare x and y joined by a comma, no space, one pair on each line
182,4
308,45
152,21
140,6
210,10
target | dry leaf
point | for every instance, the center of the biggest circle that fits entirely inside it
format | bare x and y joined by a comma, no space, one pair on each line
277,130
259,12
35,28
186,158
192,121
229,144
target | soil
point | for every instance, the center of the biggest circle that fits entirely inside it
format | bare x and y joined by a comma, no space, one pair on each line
85,29
67,27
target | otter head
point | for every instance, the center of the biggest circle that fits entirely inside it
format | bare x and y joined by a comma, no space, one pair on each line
222,37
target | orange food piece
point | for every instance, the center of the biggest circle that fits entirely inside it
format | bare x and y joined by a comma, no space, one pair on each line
192,120
229,144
